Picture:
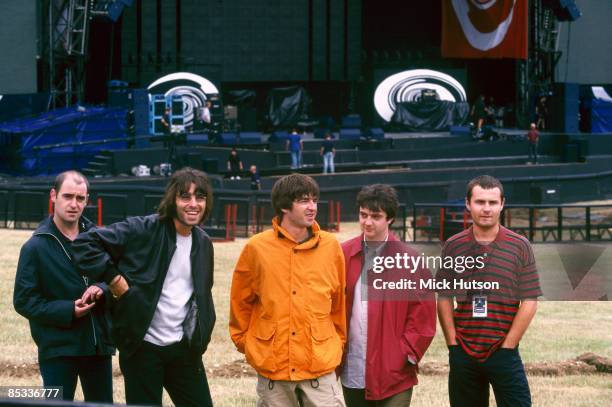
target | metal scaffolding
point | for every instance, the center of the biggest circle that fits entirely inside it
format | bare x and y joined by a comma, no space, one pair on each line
536,75
66,24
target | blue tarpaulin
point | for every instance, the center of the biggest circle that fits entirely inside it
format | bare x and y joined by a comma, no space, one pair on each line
601,116
61,126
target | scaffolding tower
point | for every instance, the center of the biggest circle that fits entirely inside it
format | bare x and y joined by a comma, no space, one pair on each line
65,35
536,75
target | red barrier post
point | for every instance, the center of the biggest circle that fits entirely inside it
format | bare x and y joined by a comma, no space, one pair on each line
465,219
99,211
227,222
50,207
441,224
234,214
338,216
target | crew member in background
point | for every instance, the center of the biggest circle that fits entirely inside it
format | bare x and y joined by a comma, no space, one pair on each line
234,164
532,143
328,152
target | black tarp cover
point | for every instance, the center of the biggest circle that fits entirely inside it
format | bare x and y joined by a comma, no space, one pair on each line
430,116
286,106
241,98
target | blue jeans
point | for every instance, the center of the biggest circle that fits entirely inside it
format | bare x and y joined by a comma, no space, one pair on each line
95,372
328,163
296,159
468,380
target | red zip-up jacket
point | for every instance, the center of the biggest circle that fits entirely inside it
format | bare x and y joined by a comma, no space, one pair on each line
397,329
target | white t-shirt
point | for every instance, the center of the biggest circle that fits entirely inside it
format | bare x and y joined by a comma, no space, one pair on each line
206,115
167,325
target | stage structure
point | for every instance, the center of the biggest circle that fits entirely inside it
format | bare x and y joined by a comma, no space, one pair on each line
66,30
191,89
421,99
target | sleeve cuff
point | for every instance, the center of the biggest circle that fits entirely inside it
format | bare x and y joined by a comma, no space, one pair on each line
110,274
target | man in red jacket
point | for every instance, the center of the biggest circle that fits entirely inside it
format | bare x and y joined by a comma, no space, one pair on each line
389,330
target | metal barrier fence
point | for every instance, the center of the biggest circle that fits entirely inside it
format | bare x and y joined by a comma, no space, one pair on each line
231,217
538,223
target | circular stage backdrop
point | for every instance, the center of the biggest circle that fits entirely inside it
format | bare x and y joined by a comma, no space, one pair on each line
192,88
407,86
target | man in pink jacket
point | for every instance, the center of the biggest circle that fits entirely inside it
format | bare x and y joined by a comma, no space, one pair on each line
389,329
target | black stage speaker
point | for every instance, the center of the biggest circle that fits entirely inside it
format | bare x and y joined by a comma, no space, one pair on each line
563,108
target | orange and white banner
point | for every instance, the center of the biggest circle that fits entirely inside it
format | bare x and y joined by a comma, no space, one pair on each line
485,28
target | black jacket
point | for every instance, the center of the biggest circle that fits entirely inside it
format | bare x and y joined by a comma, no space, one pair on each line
46,286
140,249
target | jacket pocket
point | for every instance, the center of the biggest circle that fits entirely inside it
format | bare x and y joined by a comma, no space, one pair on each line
326,348
259,348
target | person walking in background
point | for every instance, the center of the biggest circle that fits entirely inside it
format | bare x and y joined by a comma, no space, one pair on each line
532,143
402,329
295,145
159,269
328,152
67,314
287,302
484,330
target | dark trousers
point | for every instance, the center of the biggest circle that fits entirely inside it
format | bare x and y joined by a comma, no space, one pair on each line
152,368
95,372
468,381
356,398
533,152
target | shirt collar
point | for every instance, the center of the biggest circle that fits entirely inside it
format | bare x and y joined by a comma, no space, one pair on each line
500,237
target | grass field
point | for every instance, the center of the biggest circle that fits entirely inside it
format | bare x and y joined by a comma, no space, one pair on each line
560,331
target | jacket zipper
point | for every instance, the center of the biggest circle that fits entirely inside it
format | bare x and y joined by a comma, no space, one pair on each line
93,327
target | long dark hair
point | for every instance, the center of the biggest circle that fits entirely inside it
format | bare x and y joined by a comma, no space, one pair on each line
180,182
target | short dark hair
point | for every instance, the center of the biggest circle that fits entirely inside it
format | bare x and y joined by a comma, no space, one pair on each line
179,183
61,177
484,182
291,187
379,197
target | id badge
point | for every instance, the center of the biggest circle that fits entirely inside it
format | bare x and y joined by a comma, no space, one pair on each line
479,306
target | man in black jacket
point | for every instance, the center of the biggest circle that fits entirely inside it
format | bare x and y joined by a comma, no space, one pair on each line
160,270
67,315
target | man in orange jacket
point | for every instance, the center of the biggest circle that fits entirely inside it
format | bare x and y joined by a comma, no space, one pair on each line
287,311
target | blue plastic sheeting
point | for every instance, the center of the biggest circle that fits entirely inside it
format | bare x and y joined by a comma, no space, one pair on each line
60,126
601,116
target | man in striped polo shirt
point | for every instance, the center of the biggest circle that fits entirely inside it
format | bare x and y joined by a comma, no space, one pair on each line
484,330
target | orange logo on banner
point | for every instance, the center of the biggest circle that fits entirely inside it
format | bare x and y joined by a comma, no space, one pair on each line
484,28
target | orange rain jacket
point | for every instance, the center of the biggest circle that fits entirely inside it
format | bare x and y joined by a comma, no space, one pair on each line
287,311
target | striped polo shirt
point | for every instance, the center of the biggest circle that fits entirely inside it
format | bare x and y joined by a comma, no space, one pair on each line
509,262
